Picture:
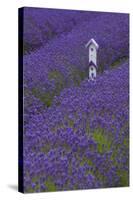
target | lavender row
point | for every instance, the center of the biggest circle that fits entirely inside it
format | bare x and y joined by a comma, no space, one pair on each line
63,62
81,141
43,25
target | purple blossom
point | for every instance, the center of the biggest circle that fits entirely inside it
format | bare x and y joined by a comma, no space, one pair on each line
76,133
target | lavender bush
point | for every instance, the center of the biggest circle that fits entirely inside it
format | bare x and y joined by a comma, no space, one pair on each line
42,25
63,61
76,133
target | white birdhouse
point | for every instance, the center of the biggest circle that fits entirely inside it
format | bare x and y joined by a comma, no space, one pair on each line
93,47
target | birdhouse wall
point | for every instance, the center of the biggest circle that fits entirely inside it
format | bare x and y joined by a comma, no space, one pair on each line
92,72
92,54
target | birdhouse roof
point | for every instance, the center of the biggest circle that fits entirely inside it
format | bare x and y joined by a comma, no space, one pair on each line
91,63
92,41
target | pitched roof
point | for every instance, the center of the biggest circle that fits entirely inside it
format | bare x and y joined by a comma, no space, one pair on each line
92,63
92,41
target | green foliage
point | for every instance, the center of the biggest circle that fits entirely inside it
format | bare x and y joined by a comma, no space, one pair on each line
35,179
30,190
36,187
70,123
77,75
55,74
118,61
124,178
101,68
59,80
28,47
104,143
46,97
87,127
86,160
46,148
50,185
126,142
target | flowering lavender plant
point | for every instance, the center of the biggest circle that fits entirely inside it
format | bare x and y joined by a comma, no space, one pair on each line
75,133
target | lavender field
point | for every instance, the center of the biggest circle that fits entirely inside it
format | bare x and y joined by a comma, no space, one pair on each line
76,132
